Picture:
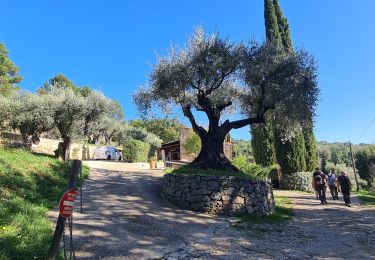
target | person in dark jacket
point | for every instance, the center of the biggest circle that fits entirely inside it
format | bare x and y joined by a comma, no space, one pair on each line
319,180
345,186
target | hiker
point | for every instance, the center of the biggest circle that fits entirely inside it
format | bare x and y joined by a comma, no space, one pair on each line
319,179
332,181
345,186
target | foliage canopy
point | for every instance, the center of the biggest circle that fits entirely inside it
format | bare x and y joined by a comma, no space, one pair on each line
214,76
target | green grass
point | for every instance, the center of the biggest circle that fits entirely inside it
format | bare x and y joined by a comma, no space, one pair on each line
283,212
30,185
187,169
367,197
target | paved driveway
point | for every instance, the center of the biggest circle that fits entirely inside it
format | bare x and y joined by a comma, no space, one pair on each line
124,217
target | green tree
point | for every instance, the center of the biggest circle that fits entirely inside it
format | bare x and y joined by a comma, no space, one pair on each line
283,26
73,115
243,148
365,162
192,144
166,129
204,77
271,22
61,81
262,143
324,155
262,139
31,115
275,21
9,76
291,153
311,156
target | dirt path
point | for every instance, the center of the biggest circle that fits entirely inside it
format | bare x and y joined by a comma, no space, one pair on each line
125,218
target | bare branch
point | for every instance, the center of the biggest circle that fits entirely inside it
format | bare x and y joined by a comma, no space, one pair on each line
187,112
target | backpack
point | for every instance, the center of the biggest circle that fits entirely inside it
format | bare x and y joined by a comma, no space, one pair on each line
344,182
331,179
318,179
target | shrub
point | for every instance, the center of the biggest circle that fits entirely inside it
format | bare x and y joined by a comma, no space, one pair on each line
251,169
135,151
365,163
192,144
297,181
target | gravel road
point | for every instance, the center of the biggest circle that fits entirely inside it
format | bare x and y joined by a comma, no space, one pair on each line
124,217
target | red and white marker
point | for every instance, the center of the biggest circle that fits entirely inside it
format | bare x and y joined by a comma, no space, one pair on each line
66,203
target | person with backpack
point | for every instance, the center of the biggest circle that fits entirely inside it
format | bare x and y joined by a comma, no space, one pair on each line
345,186
319,184
332,180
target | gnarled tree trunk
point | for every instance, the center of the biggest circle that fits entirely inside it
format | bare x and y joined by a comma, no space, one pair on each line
212,154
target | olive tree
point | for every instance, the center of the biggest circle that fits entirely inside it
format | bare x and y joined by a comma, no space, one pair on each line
214,75
73,114
31,114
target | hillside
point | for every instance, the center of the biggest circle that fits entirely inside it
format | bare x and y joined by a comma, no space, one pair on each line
30,184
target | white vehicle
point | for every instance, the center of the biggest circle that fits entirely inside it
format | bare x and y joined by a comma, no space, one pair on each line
107,153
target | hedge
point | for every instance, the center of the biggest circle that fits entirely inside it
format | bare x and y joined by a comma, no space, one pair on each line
135,151
297,181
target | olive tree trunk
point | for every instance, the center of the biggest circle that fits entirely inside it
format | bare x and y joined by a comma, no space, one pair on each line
211,155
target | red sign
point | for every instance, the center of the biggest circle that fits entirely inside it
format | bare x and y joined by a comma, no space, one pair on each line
66,203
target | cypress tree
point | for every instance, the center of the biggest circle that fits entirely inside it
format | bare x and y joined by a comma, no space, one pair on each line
283,26
271,22
262,139
291,154
262,143
312,159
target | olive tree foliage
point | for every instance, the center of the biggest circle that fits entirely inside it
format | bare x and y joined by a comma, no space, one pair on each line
31,115
214,76
106,126
73,114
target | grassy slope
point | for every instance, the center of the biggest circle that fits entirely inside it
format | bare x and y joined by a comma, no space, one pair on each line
367,197
283,212
250,173
30,184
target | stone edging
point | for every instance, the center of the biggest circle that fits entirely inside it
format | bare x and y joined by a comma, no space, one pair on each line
224,195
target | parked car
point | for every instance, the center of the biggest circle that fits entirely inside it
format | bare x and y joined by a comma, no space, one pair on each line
107,153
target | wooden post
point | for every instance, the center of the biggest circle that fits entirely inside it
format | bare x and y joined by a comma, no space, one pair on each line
76,165
353,163
80,187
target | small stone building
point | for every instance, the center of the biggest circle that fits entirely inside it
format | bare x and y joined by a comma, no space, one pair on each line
174,151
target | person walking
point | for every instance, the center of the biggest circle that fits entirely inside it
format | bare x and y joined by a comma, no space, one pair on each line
332,181
345,186
319,179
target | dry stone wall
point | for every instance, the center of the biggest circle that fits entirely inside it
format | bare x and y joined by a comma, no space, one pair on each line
223,195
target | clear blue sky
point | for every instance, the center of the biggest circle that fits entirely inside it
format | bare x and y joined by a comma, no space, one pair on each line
109,45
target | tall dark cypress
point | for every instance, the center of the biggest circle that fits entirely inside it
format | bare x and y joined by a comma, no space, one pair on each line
311,155
283,26
291,154
262,143
312,158
271,22
262,139
299,153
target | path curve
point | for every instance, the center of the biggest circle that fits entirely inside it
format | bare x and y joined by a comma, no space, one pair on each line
124,217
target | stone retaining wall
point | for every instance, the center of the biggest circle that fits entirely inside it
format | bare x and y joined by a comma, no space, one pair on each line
224,195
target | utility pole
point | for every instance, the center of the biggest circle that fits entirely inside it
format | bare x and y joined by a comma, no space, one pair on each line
353,163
